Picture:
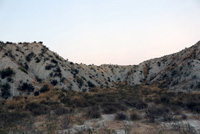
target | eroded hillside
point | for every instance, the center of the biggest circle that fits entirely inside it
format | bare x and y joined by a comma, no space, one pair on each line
30,68
33,66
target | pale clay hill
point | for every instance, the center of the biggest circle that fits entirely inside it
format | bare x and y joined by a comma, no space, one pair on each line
27,67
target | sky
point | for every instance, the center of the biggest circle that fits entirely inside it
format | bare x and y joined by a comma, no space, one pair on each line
123,32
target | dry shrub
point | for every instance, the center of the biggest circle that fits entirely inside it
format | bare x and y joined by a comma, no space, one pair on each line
93,112
154,112
134,116
61,111
8,119
113,107
121,116
65,122
37,109
139,104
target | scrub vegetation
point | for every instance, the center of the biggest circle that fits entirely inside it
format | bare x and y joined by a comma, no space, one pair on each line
55,110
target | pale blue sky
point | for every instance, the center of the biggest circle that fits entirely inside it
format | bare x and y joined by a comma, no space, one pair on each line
103,31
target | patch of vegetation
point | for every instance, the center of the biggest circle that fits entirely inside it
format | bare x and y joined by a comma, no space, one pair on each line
9,119
36,93
44,89
61,111
93,113
38,79
30,56
23,69
57,72
26,87
158,63
40,42
174,72
113,107
121,116
137,97
58,57
65,122
153,113
79,81
26,66
37,109
54,61
5,91
9,80
159,105
9,42
90,84
8,72
74,72
49,67
193,106
37,60
139,104
135,116
71,63
54,82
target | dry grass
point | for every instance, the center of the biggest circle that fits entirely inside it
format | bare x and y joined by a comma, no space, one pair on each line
69,107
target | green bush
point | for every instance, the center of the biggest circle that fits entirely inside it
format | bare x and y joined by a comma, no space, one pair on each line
23,69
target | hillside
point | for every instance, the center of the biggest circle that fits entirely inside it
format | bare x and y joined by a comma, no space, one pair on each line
31,68
39,94
178,71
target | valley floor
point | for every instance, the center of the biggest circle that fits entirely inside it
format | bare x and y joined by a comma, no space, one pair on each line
118,110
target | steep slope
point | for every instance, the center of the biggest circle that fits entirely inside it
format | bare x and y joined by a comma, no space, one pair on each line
179,71
34,66
27,67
